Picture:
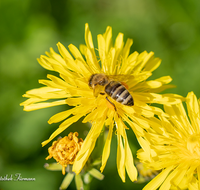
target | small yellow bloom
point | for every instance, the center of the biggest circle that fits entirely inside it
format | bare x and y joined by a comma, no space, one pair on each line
75,70
174,146
145,174
65,149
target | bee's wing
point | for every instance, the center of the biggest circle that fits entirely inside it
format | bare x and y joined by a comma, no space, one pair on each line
121,78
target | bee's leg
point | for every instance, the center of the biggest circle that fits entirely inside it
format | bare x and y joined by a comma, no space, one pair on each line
102,93
111,103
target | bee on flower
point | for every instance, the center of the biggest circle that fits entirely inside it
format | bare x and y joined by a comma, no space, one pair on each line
108,87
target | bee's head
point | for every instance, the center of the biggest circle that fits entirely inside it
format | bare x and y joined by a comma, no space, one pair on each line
100,79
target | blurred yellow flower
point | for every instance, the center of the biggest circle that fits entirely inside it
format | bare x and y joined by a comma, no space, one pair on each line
174,146
145,174
65,149
73,88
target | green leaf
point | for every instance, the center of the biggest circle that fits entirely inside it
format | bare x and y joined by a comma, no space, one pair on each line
66,181
53,166
95,173
79,182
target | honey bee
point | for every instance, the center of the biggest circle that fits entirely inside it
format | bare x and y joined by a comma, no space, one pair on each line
104,84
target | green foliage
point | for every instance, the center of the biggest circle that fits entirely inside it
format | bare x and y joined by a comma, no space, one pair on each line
29,28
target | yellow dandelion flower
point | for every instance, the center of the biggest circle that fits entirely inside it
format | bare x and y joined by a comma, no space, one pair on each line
65,149
76,87
174,146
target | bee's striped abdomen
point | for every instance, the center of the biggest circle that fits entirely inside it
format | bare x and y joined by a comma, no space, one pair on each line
119,93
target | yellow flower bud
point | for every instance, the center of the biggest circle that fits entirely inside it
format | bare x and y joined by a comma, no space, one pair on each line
65,149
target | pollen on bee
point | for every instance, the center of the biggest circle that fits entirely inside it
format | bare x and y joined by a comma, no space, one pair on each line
110,105
125,85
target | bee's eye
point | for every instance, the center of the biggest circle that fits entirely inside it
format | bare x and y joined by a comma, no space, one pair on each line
90,80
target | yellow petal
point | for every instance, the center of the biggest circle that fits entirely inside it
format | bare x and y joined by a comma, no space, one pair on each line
31,101
162,88
144,110
75,52
167,183
136,128
79,164
51,84
164,98
116,54
93,133
67,75
77,101
151,84
106,149
61,116
88,145
84,70
69,60
91,116
120,126
154,84
52,61
66,124
135,82
120,158
62,84
182,169
179,118
55,56
152,65
194,184
37,106
108,38
129,64
64,52
119,41
145,146
44,63
101,49
90,139
145,57
88,37
139,121
89,43
127,47
158,180
143,156
164,79
130,167
39,91
91,61
193,111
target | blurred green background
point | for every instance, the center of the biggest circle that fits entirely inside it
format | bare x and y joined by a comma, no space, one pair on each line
28,28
